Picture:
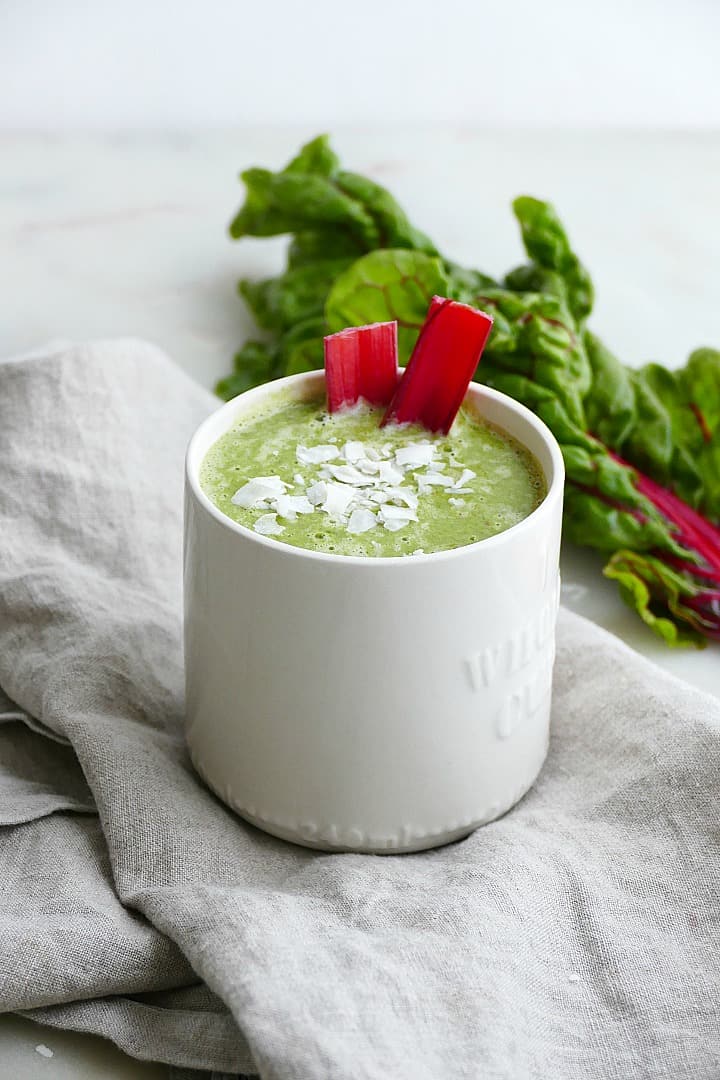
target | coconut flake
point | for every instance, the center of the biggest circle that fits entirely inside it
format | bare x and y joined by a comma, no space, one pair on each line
388,473
315,455
267,525
257,492
456,502
361,521
398,512
338,500
353,451
415,455
368,466
274,482
388,512
402,495
465,475
394,526
425,481
348,474
317,493
289,506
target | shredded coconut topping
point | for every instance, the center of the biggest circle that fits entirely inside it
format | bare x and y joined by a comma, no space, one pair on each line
267,525
465,475
353,451
416,455
313,455
348,474
258,492
339,499
397,513
361,487
317,493
361,521
289,506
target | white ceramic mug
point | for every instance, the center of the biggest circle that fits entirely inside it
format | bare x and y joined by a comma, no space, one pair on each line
370,704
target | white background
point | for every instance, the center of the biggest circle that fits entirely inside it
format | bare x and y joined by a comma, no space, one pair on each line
114,64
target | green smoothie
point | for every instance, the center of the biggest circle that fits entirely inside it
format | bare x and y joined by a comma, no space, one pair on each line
340,483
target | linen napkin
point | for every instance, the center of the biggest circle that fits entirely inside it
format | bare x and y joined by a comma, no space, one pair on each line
578,937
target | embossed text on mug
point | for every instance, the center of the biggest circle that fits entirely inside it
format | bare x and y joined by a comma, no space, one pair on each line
521,705
507,657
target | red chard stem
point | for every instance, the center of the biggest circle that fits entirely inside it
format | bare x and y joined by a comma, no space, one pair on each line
361,362
442,364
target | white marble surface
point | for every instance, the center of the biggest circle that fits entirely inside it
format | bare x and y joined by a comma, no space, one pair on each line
29,1051
124,234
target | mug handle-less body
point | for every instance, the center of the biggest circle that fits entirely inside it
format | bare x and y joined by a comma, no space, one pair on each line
370,704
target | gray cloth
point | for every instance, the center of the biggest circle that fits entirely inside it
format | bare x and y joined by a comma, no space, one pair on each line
188,1027
576,938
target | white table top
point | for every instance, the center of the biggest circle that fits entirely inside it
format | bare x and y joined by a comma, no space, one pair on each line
126,235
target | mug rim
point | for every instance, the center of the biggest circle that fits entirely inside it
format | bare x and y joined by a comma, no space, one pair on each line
317,378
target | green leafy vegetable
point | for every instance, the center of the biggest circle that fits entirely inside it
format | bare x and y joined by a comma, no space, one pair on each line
675,437
641,578
280,303
314,194
383,286
548,247
299,349
641,447
310,247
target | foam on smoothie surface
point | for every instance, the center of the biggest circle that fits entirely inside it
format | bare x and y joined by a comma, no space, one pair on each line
340,483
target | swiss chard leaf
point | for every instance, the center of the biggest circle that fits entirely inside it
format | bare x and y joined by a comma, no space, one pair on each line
595,519
383,286
316,158
635,443
254,364
659,595
532,278
610,402
312,194
667,423
676,437
279,303
394,228
547,245
311,247
286,202
463,284
537,341
299,349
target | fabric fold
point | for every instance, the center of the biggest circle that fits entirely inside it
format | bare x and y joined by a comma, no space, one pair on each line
38,777
575,937
188,1028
